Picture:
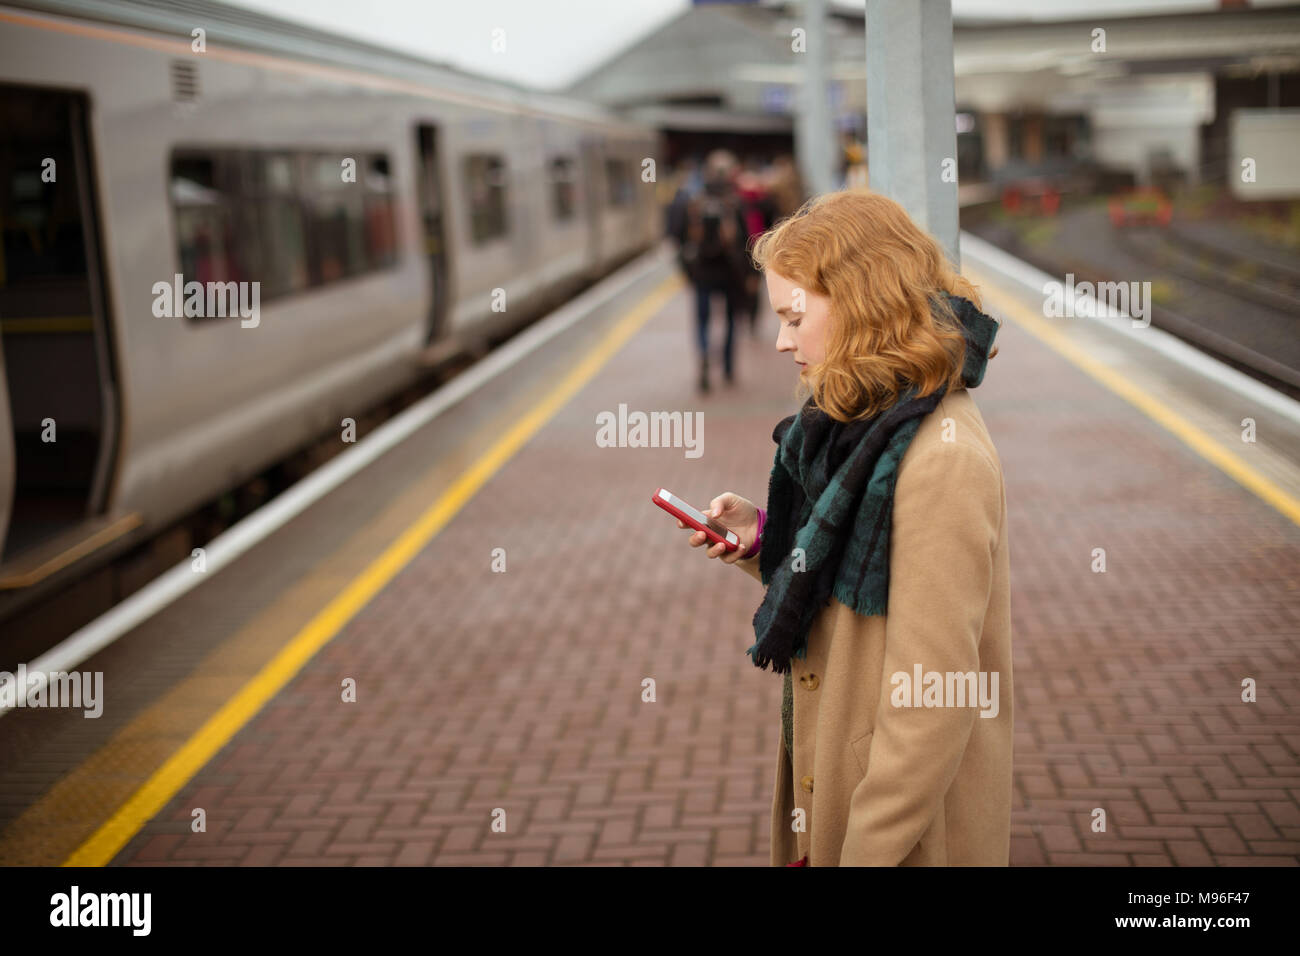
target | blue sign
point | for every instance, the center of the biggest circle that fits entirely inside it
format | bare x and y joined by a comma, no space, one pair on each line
775,99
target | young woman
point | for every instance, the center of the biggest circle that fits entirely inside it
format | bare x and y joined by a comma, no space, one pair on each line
883,550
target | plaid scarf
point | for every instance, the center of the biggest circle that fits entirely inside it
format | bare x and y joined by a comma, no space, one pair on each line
831,494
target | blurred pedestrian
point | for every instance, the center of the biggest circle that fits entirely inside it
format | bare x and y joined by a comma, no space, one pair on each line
711,251
760,215
785,186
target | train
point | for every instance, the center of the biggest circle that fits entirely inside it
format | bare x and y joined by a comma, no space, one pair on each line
224,233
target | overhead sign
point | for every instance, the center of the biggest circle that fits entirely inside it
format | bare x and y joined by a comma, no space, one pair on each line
775,99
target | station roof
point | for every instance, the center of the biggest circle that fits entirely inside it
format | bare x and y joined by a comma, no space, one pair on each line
736,59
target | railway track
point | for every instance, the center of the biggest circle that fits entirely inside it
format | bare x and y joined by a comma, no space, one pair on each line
1281,308
1268,284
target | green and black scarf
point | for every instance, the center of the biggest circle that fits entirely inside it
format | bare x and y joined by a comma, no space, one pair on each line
831,496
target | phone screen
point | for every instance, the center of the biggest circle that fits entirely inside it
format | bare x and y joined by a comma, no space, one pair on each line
699,516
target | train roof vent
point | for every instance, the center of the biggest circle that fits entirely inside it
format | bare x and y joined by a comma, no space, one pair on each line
185,81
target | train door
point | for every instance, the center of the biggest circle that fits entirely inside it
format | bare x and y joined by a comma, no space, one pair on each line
525,199
54,331
593,177
430,198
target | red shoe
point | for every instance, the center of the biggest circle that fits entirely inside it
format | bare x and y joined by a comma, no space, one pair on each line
803,862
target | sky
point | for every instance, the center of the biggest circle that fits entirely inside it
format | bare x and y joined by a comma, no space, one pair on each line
549,43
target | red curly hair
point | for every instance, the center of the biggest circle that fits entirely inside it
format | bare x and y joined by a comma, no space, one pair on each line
890,327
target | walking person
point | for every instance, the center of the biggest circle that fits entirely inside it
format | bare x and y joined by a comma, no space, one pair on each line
883,551
711,251
759,213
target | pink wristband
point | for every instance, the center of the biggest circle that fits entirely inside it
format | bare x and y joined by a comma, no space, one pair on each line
758,539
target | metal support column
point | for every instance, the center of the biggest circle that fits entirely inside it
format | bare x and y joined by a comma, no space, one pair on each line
814,138
911,122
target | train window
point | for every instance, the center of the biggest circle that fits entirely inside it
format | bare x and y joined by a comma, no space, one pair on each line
276,219
485,185
353,214
204,209
381,233
618,176
563,187
335,215
287,220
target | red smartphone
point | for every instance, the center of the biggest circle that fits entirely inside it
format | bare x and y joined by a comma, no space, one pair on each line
700,522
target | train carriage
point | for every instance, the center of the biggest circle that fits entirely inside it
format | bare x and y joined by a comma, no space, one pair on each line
159,159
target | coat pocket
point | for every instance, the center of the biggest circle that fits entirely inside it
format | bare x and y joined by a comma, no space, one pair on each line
862,750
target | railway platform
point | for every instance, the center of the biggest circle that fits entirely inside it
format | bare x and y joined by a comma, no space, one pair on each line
460,632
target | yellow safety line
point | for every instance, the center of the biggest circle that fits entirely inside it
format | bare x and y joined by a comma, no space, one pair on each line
1196,439
177,771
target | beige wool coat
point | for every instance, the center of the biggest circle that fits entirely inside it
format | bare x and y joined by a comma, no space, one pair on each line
882,784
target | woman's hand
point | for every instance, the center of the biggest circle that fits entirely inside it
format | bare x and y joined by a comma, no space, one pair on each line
737,514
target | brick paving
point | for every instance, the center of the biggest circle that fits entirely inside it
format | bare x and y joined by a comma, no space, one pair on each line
483,692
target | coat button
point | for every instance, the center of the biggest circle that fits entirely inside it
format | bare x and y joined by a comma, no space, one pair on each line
806,782
810,681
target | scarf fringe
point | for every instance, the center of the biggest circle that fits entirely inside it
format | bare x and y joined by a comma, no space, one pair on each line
860,602
762,661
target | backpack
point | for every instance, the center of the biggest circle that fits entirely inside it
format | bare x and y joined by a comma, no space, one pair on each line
712,235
